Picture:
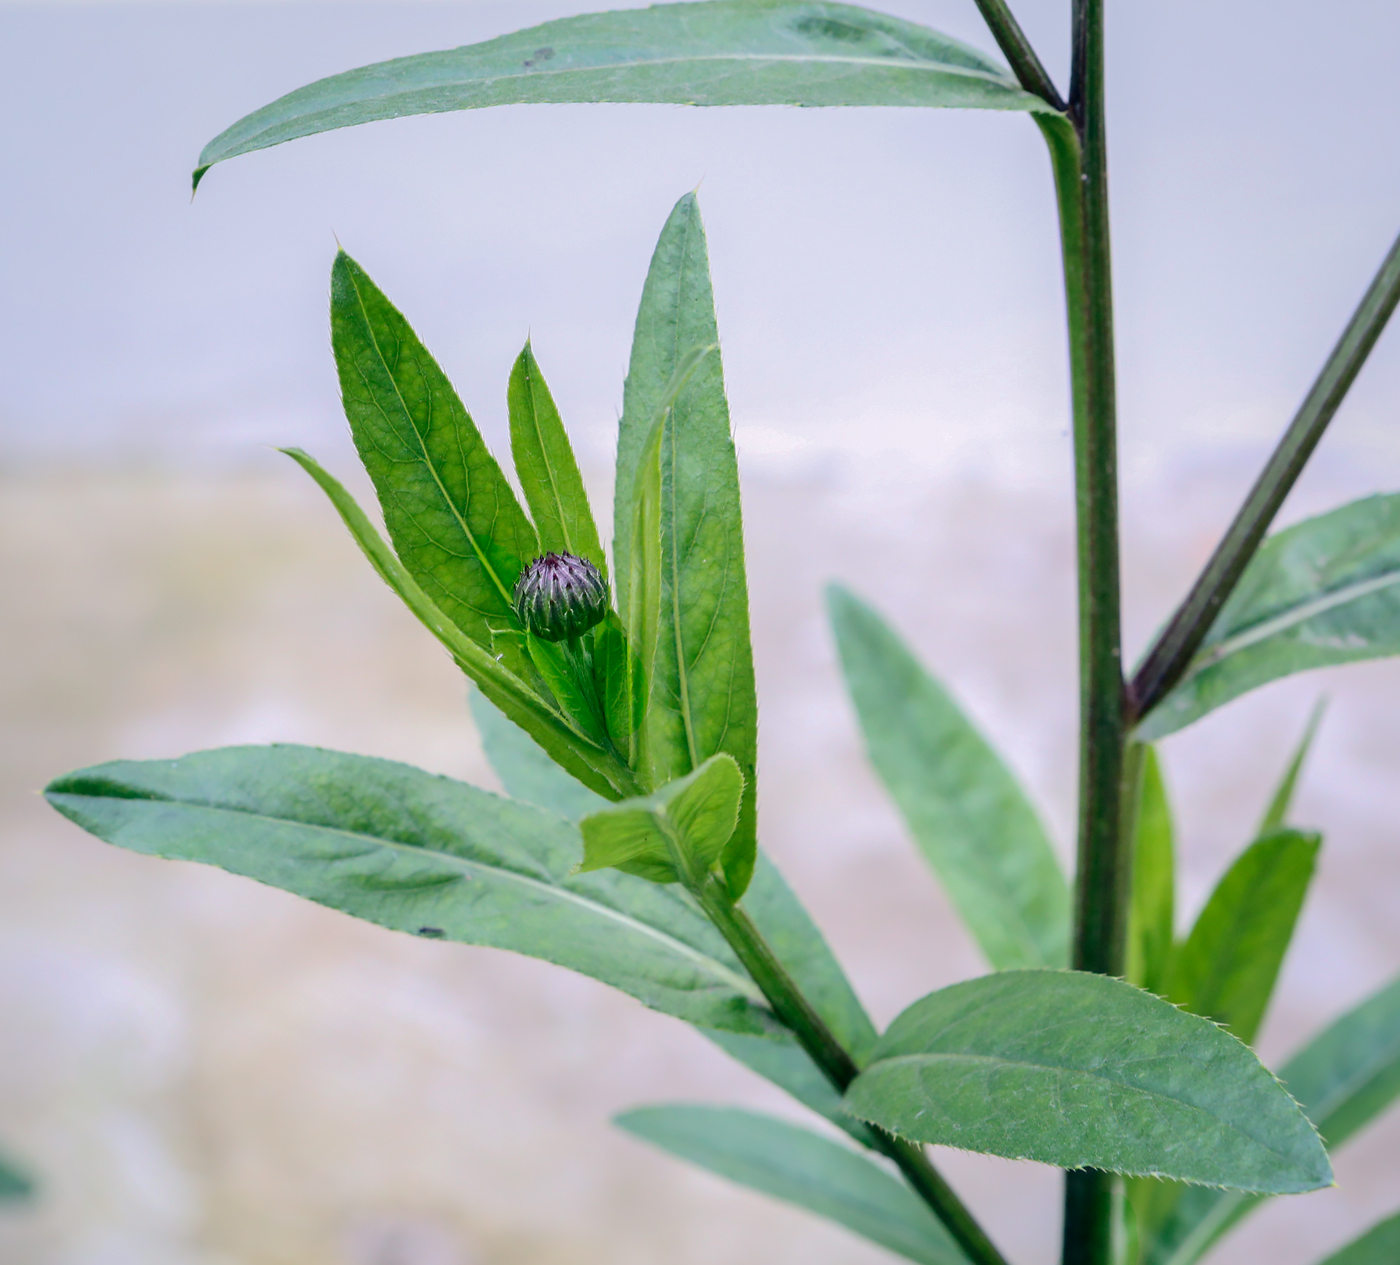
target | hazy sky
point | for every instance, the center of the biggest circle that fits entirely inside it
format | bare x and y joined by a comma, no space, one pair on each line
885,278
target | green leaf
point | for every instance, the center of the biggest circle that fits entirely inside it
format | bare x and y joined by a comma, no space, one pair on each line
402,848
965,810
1324,592
451,514
539,717
800,1168
1151,925
1281,804
1380,1245
680,574
16,1186
1343,1078
675,834
549,474
1081,1070
727,52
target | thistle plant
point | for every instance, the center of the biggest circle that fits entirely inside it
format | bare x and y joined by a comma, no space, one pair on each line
616,700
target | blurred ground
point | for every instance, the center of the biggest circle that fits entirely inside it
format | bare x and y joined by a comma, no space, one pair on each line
206,1072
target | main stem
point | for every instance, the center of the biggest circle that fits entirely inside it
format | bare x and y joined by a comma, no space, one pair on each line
1079,153
838,1067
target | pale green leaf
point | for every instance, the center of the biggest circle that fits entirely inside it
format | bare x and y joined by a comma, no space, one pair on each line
423,854
1281,804
800,1168
1324,592
16,1186
1082,1070
1380,1245
965,810
726,52
1151,925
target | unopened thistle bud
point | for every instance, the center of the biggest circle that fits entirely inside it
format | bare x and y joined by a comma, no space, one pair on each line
560,596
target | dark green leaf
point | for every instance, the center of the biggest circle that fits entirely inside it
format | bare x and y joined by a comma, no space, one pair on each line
1151,926
967,813
1324,592
551,729
675,834
800,1168
678,483
1380,1245
1227,967
16,1186
1343,1078
1081,1070
418,853
451,514
726,52
548,472
1281,804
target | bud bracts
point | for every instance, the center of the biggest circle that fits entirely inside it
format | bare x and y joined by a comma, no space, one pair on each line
560,596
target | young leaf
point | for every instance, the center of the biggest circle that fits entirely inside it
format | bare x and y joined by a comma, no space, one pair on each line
1082,1070
680,574
451,514
1276,814
549,475
1151,921
1343,1078
800,1168
1380,1245
407,850
1326,591
577,753
967,813
675,834
726,52
1227,967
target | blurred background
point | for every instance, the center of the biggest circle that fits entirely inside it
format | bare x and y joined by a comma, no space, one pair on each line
202,1071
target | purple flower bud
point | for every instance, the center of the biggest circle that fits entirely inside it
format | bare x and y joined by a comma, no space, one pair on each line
560,596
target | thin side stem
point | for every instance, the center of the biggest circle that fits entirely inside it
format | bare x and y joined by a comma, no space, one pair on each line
1016,48
1166,662
840,1069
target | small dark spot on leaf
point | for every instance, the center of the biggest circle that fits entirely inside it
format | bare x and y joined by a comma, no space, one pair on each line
431,933
543,54
832,28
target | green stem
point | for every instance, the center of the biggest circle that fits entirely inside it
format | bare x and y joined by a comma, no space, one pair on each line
1171,654
837,1065
1017,49
1080,160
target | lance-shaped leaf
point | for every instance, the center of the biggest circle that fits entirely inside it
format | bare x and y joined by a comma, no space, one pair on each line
548,472
1380,1245
1281,803
965,810
726,52
418,853
1343,1078
799,1168
680,574
1228,965
452,516
1081,1070
675,834
1324,592
555,733
1151,924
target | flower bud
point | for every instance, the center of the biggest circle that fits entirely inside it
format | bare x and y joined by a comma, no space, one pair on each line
560,596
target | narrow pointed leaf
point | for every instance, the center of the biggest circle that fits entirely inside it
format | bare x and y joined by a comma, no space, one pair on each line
1343,1078
678,482
1324,592
726,52
799,1168
1081,1070
1228,965
965,810
1151,925
548,472
537,716
1281,804
16,1186
418,853
451,515
1380,1245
